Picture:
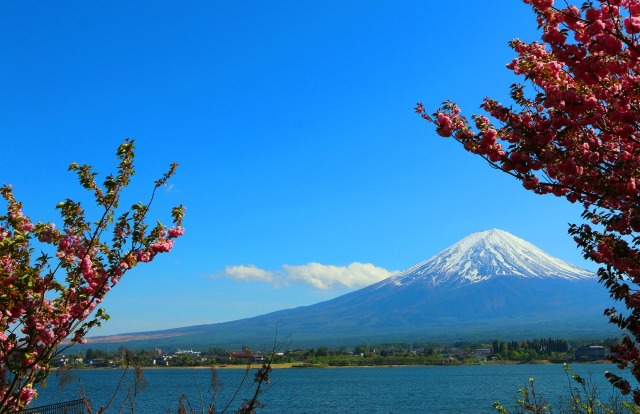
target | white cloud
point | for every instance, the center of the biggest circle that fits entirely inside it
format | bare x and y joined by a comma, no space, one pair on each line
327,276
248,273
320,276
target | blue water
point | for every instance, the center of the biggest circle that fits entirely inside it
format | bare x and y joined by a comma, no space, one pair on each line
425,389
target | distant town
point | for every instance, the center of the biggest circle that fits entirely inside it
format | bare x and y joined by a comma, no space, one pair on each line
527,351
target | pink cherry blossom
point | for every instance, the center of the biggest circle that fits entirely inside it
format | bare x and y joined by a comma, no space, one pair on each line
575,135
174,232
632,24
39,310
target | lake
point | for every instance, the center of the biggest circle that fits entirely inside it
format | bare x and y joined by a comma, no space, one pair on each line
418,389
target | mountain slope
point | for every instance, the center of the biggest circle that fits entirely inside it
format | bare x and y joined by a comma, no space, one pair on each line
489,285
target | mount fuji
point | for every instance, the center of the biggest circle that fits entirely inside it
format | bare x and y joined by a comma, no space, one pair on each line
490,284
484,256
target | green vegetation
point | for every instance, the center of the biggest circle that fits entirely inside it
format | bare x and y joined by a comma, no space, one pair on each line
461,352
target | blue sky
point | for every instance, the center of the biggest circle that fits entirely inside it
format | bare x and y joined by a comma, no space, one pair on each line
305,172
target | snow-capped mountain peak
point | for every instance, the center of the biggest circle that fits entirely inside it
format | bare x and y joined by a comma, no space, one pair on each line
485,255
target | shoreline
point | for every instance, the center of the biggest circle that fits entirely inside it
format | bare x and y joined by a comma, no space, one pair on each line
299,365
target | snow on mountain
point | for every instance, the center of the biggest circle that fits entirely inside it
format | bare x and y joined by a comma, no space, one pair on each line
485,255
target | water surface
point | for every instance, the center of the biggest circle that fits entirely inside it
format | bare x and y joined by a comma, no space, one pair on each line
423,389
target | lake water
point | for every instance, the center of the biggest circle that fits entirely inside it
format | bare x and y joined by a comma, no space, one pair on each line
423,389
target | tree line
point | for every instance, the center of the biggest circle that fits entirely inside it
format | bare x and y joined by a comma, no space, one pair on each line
462,352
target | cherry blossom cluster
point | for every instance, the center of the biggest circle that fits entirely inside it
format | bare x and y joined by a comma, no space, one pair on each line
48,303
575,133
